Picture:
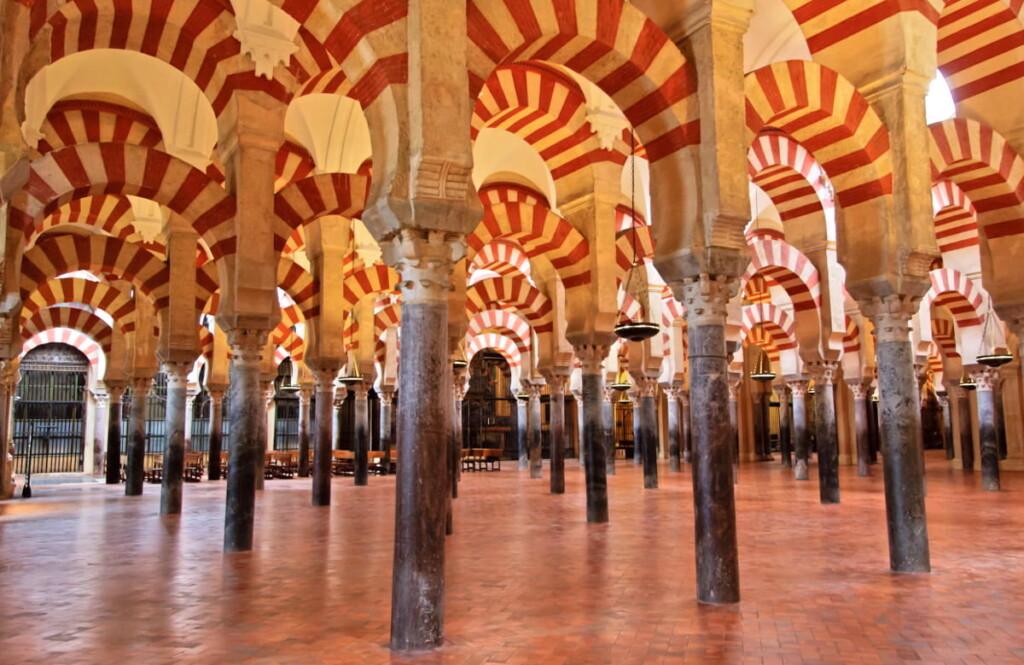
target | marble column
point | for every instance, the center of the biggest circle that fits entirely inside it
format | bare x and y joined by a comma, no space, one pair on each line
985,379
248,417
997,402
861,414
534,431
874,433
135,471
674,449
801,443
338,398
947,424
733,386
422,489
266,429
323,377
785,427
647,427
115,392
174,450
591,354
387,397
190,403
216,434
608,422
826,429
522,411
305,399
638,443
966,414
762,424
8,387
684,414
362,434
455,452
556,381
717,558
903,467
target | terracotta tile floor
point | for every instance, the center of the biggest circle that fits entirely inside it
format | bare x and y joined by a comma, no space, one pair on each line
88,576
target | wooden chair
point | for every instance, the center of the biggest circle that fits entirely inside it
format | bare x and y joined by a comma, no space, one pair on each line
194,467
343,462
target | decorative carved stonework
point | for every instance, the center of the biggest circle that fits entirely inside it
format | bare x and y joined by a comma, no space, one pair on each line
647,386
823,372
608,394
591,356
443,180
247,345
557,380
891,316
798,387
859,388
707,298
985,378
425,260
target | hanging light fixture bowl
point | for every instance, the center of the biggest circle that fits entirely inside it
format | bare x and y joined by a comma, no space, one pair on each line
967,383
459,364
996,359
762,371
636,332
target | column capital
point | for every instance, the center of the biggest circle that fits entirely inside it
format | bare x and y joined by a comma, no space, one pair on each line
608,394
115,389
591,355
305,393
247,345
9,373
859,388
985,378
891,316
647,386
557,379
823,371
141,385
216,395
534,390
798,387
707,297
425,260
386,395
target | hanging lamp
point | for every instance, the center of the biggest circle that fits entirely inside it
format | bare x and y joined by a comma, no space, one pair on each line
763,369
351,377
636,278
966,382
991,353
622,383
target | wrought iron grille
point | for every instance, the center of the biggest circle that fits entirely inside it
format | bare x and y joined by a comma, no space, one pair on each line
50,396
156,423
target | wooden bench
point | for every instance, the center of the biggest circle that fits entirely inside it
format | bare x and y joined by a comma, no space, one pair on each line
195,467
378,464
282,464
343,462
481,459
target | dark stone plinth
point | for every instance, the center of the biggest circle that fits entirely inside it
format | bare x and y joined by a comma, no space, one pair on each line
422,488
362,439
216,439
903,467
674,449
135,470
522,409
323,440
827,435
648,429
245,413
113,474
595,466
989,440
556,428
966,431
534,439
174,449
718,572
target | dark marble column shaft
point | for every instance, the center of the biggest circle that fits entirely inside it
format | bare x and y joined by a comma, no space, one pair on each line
305,399
422,487
522,426
801,444
966,415
826,430
900,419
556,428
362,434
734,421
1000,419
985,379
534,432
458,392
647,427
595,467
714,502
113,473
265,434
338,435
323,440
674,435
135,471
947,424
171,486
248,417
861,413
608,422
685,417
785,427
213,467
638,438
387,397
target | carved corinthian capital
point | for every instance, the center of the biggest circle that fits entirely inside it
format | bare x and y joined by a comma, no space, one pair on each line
891,316
706,299
425,260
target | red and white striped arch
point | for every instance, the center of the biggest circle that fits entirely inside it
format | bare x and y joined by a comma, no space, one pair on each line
376,278
388,316
546,109
986,168
495,342
957,293
97,295
610,43
757,290
120,169
828,116
193,36
980,46
777,321
763,337
56,256
73,338
851,338
301,287
956,220
110,214
304,201
286,339
828,23
944,334
502,322
72,318
633,238
789,175
515,293
501,257
789,268
512,216
293,163
72,122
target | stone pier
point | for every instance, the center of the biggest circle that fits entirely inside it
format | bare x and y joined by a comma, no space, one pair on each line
801,445
174,447
556,381
362,434
861,413
135,471
115,392
323,376
591,353
213,467
647,427
826,430
985,379
674,435
305,404
534,431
